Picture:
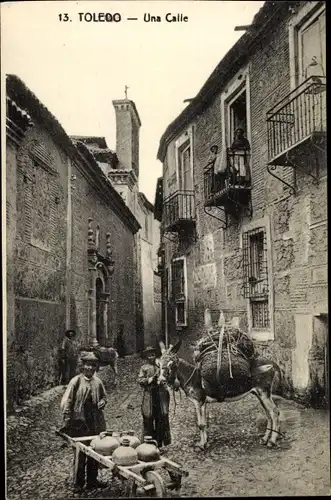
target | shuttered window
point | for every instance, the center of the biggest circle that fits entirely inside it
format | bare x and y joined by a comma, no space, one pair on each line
179,287
312,47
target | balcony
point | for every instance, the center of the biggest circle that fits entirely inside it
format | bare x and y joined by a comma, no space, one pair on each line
297,123
179,211
231,188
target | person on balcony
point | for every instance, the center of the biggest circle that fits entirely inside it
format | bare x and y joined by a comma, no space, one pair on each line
240,149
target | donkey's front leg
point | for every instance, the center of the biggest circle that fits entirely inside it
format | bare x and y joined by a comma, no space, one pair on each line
204,422
198,407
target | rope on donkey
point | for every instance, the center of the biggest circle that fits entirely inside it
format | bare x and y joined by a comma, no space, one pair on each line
219,353
232,347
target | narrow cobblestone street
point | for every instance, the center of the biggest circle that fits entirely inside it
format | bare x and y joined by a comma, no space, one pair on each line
40,465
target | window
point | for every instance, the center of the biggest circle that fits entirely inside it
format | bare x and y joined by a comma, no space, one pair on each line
184,161
306,112
184,168
311,47
256,285
184,205
237,115
179,289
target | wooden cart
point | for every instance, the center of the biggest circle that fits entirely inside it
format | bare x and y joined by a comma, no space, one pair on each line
141,479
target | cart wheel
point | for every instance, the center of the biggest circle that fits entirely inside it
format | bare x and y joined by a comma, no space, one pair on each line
160,490
130,490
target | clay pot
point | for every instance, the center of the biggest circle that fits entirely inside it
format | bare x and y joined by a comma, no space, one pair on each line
148,450
134,441
125,455
105,443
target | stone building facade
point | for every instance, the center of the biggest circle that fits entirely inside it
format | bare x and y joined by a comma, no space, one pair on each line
244,228
122,169
71,247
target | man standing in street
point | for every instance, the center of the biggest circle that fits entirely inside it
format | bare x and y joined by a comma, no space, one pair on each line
155,404
68,356
82,406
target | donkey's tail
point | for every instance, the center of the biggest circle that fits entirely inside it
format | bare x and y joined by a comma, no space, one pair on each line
277,382
262,365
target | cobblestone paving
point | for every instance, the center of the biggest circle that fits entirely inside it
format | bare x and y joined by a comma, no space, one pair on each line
39,464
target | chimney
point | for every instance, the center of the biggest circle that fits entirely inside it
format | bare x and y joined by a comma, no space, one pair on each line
127,134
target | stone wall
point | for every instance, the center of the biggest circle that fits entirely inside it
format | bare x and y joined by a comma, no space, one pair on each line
38,262
298,230
47,264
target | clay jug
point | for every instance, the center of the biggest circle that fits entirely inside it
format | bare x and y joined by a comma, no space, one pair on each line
105,443
134,441
148,450
125,454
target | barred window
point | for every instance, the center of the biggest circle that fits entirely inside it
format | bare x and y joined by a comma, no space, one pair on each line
256,286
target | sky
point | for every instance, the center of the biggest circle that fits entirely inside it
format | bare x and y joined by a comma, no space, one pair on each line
76,68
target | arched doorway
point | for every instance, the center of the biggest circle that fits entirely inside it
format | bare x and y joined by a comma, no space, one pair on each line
98,305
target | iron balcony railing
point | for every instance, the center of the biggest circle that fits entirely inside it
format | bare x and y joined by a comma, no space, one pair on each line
236,176
178,208
297,117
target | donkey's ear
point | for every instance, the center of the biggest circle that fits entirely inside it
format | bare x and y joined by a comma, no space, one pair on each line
175,348
208,320
221,319
162,347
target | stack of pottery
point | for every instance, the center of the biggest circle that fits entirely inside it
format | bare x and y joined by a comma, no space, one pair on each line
106,443
125,455
148,450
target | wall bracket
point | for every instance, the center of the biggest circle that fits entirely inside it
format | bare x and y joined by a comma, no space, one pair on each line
272,168
223,215
298,164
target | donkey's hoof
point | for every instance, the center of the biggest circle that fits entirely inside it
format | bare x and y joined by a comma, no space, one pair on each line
271,444
263,441
200,446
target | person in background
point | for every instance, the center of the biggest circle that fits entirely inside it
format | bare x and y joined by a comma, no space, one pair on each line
155,403
68,356
82,407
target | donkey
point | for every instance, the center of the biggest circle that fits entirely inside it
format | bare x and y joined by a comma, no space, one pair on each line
178,373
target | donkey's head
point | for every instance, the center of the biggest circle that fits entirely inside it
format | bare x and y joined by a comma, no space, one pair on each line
168,363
